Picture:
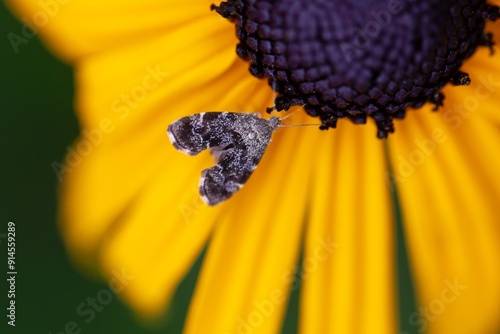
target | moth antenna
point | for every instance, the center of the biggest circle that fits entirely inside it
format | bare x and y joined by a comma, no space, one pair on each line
296,125
293,113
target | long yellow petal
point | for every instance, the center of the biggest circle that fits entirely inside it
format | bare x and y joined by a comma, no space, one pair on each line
249,266
352,288
78,28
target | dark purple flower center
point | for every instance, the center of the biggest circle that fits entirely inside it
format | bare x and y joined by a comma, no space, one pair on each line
359,59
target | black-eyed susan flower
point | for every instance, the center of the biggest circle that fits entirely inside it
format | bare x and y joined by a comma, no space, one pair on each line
130,202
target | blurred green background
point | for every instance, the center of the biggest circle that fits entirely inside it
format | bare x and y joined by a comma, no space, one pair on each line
37,122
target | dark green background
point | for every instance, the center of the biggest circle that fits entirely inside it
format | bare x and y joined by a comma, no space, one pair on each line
37,122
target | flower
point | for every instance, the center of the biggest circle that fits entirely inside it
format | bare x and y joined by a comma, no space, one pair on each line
129,203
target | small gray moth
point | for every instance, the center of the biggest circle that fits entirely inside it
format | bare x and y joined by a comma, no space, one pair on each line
237,141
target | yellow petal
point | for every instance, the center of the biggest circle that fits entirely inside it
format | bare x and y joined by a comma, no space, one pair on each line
351,289
248,270
77,28
446,169
163,75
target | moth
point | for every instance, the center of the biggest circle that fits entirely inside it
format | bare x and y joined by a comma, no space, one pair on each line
237,142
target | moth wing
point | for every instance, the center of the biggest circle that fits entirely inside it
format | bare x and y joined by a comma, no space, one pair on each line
221,181
196,133
238,142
